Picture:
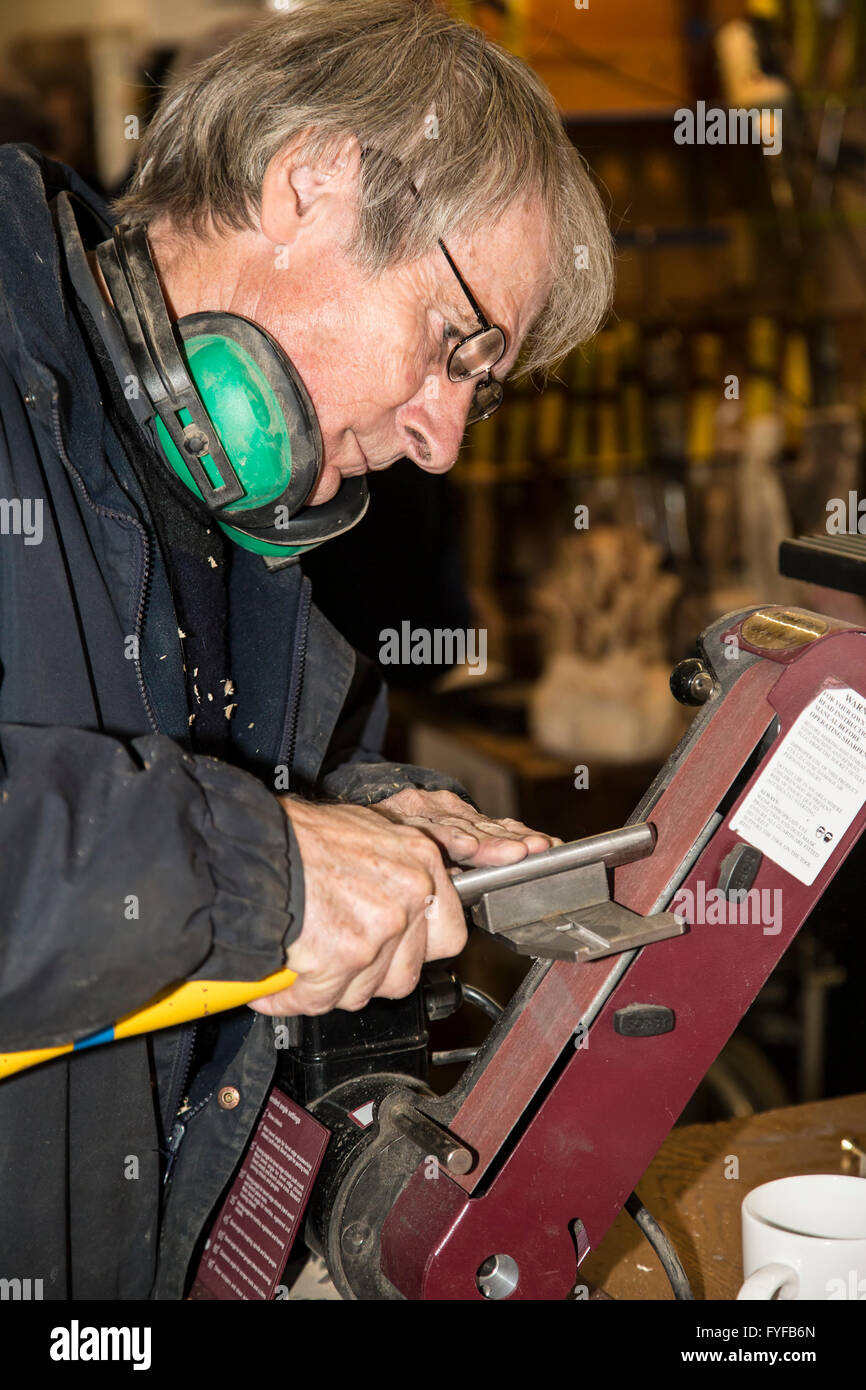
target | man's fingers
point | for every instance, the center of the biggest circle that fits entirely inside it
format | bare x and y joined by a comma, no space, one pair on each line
283,1003
536,839
466,834
469,841
458,843
359,991
404,965
446,923
445,828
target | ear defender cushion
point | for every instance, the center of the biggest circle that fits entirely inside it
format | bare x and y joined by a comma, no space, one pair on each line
247,416
260,411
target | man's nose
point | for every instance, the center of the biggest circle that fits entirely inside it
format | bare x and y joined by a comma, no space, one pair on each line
434,421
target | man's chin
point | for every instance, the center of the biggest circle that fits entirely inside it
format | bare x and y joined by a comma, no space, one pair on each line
327,487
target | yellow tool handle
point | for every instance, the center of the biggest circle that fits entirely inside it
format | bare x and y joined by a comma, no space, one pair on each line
180,1004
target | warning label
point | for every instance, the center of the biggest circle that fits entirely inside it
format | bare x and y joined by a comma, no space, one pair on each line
813,787
251,1240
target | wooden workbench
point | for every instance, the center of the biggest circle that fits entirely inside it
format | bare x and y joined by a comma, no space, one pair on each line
687,1191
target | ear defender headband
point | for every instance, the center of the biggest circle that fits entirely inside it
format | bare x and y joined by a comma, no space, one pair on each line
232,417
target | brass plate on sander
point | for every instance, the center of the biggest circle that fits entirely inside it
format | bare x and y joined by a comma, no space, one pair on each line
780,629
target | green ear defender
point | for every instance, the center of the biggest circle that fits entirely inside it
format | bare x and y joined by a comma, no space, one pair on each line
232,416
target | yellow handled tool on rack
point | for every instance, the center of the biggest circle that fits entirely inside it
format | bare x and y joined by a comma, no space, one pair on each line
177,1004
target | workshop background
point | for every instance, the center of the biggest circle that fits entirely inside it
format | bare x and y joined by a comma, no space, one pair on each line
718,413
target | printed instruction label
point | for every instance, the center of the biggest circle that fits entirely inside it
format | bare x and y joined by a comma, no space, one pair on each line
253,1234
813,787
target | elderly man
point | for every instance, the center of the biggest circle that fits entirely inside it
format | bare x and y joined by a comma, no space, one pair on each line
191,778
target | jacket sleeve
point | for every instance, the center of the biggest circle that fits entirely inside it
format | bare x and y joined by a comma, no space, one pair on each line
353,768
129,867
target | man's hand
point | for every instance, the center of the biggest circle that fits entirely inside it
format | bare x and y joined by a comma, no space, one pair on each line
467,836
378,904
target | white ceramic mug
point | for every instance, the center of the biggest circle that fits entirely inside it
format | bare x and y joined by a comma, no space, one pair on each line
805,1238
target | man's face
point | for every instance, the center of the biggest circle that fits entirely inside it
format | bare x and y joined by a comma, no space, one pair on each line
373,351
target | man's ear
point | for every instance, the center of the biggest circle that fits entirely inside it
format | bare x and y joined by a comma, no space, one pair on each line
297,192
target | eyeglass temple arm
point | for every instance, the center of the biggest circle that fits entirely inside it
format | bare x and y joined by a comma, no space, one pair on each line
476,307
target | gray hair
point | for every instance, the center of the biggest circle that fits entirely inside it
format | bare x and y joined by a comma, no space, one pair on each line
429,98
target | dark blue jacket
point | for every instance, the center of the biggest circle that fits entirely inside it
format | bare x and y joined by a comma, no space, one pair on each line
102,804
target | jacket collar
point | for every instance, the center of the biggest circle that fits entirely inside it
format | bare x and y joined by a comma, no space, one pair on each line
41,340
30,270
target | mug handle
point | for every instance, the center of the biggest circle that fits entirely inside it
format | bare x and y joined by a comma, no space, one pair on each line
769,1280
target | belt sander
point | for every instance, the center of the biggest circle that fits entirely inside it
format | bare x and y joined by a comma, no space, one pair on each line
649,945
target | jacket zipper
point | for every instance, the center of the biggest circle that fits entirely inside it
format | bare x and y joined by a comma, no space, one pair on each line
187,1040
182,1066
299,658
287,756
175,1139
125,518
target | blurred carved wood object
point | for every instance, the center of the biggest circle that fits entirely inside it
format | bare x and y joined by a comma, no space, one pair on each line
605,608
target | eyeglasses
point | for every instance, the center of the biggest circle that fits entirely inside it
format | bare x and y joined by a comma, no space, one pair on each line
479,351
476,353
